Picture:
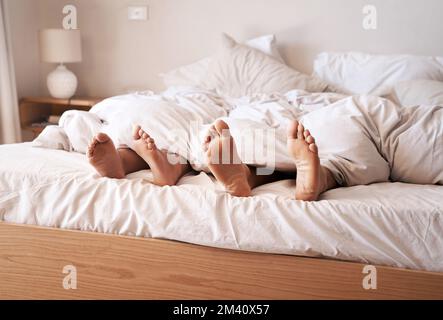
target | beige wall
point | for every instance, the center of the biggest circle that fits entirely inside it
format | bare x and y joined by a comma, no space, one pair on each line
24,20
122,55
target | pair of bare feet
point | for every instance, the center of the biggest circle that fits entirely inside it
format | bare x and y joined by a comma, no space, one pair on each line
111,162
237,178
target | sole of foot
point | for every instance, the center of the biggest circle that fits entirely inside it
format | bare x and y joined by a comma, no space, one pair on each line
165,171
304,151
224,162
103,156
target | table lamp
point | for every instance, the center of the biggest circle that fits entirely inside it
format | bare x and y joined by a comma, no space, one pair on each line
61,46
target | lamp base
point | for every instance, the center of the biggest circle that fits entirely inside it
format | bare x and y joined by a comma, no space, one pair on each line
62,83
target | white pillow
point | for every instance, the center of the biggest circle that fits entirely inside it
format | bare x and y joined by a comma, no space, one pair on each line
360,73
238,70
419,92
80,127
191,75
53,137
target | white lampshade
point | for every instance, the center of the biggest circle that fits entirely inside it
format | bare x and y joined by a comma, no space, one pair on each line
60,46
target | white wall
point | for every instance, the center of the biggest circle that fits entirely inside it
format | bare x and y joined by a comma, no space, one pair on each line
121,55
25,20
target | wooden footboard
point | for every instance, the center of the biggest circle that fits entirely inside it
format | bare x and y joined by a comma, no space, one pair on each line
32,260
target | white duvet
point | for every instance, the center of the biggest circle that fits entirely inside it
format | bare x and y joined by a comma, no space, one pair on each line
177,119
362,140
384,224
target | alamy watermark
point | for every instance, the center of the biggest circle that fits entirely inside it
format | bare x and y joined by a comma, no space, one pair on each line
370,18
70,280
370,279
70,17
249,146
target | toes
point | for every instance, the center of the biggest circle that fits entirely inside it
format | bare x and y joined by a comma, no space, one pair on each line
306,133
292,130
206,142
310,139
151,146
222,128
145,136
91,147
93,143
136,132
313,148
210,133
102,138
150,142
300,131
212,130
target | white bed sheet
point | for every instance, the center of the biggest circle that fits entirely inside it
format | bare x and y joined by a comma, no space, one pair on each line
388,224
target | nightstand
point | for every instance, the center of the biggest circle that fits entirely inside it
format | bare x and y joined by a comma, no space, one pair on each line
35,111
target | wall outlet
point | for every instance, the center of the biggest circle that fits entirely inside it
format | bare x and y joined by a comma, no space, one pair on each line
139,13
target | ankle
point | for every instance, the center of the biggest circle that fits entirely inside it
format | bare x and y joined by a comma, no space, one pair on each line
307,196
327,180
239,186
239,191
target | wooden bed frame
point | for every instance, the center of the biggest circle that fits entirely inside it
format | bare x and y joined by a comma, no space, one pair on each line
115,267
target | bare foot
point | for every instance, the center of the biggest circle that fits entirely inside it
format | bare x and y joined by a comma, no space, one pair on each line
304,151
224,162
104,158
165,173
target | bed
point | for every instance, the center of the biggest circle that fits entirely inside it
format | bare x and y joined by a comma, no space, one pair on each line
48,196
129,239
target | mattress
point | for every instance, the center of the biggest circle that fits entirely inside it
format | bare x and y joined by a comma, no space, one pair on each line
390,224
